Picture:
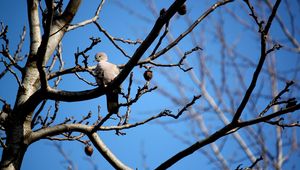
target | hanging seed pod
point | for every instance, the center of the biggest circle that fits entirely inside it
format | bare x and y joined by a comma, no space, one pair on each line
88,150
148,75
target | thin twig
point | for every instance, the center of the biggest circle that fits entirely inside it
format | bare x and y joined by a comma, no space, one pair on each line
276,98
94,42
128,41
2,144
34,119
13,73
84,80
183,109
161,38
111,39
20,45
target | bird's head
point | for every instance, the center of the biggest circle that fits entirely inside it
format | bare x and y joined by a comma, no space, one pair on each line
101,56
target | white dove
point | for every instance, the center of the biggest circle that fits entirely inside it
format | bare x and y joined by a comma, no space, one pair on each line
104,73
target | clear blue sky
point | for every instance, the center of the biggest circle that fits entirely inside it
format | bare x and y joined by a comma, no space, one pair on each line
152,140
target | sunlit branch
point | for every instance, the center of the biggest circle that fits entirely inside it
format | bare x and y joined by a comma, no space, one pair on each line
89,21
106,153
20,45
128,41
69,138
41,53
283,125
84,80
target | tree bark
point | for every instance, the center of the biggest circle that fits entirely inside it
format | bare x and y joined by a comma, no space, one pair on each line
18,122
16,144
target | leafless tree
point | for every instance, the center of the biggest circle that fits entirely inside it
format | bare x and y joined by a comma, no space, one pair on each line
234,98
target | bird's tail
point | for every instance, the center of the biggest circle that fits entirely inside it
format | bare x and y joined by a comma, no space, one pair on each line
112,99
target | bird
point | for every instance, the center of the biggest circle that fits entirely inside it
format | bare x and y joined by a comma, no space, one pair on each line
104,73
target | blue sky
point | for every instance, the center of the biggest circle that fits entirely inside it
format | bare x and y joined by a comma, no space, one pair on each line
152,140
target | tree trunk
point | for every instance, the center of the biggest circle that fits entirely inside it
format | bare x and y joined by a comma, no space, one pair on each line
16,145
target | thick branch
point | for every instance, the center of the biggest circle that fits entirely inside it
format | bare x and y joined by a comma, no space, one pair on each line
228,129
185,33
89,94
98,143
41,53
106,153
70,10
160,22
72,96
58,129
34,24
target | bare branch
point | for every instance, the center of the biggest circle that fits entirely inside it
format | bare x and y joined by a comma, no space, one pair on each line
180,62
256,161
2,144
95,41
291,38
41,53
140,92
13,73
272,16
20,45
250,167
72,70
276,98
89,94
270,116
34,119
5,48
84,80
34,26
52,118
282,125
184,108
68,137
106,153
228,129
89,21
260,64
185,33
111,39
163,35
253,14
128,41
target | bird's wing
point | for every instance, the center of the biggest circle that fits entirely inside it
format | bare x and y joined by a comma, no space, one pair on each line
99,74
110,71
